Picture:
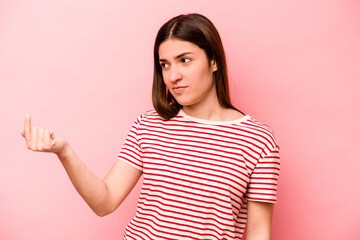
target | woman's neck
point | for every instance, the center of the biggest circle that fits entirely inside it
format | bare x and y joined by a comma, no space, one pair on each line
212,112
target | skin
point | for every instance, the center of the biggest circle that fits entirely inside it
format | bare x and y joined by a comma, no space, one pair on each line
188,75
102,195
258,226
185,64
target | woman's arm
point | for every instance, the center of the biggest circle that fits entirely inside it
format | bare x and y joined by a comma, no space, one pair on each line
103,196
258,225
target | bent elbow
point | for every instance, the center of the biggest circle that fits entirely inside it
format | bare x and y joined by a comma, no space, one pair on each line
102,213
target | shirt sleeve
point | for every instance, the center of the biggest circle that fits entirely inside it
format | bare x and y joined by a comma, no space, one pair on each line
264,178
131,151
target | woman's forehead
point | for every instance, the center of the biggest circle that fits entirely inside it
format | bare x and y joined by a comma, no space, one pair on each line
171,48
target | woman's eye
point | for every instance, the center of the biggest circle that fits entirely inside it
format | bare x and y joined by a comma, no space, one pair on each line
185,60
164,65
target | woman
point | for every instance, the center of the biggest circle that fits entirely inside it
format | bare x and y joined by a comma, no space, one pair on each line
209,169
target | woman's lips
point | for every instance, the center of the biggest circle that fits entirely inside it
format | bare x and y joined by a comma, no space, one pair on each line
179,89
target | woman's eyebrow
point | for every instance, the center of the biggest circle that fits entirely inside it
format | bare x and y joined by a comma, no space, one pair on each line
177,57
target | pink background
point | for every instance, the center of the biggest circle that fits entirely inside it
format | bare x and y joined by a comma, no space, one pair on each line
84,69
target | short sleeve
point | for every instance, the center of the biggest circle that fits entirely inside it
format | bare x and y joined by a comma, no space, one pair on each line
264,177
131,151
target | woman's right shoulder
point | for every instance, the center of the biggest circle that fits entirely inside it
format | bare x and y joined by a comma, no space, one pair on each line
148,115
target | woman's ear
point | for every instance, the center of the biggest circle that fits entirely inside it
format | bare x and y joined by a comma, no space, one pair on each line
213,65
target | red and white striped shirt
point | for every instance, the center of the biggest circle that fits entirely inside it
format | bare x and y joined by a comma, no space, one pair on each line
199,175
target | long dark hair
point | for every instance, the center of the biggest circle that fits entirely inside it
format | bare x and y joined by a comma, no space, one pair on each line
199,30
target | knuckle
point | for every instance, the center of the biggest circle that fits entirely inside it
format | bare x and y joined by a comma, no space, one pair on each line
33,146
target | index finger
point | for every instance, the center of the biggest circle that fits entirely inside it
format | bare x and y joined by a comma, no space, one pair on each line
27,129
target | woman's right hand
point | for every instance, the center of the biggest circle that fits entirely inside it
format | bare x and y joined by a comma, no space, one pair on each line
103,196
42,140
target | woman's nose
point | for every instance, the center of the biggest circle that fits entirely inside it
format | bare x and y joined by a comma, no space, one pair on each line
175,74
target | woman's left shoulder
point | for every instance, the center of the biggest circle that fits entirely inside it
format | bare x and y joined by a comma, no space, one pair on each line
262,130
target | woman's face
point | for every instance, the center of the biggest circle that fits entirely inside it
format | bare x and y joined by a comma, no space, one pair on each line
186,72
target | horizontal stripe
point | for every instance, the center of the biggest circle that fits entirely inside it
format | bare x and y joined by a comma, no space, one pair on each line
198,176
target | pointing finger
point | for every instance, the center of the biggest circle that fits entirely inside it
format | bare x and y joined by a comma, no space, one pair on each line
27,130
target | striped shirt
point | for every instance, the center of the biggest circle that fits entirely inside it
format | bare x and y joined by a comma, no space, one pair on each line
199,175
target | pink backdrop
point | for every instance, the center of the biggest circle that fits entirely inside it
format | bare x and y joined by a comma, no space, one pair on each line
84,69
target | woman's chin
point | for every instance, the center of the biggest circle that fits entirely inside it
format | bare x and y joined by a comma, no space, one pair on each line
184,103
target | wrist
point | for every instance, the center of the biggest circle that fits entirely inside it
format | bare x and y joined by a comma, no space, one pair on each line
65,152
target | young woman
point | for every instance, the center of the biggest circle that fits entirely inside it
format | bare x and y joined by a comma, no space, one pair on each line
209,170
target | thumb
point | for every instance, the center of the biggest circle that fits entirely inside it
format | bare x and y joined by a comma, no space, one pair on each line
53,142
52,135
52,138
